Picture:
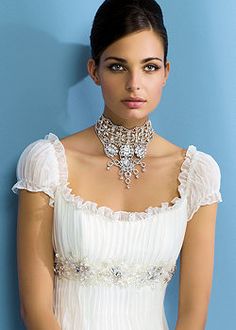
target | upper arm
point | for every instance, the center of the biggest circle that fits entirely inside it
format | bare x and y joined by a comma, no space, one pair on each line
197,252
37,179
197,261
35,254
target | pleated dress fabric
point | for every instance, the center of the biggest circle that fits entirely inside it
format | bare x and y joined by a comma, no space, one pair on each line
130,242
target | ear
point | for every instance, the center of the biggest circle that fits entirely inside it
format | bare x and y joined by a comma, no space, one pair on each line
167,71
93,71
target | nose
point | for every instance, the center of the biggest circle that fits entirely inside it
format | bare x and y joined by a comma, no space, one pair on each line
133,81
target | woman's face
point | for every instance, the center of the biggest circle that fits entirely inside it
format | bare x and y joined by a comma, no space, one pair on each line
132,74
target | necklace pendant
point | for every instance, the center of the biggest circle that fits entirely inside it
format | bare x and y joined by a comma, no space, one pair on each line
136,173
110,163
110,149
140,150
126,150
127,182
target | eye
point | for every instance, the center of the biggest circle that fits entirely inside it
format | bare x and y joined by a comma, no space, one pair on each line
116,67
155,67
111,66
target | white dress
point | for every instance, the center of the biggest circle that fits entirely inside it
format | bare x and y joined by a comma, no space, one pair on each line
112,267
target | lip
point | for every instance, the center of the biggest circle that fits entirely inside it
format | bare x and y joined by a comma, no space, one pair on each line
135,99
134,104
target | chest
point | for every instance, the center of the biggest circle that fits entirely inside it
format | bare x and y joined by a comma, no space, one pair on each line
101,234
89,178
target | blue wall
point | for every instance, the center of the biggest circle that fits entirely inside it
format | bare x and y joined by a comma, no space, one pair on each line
44,88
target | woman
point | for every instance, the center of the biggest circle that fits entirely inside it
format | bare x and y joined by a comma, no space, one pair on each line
110,211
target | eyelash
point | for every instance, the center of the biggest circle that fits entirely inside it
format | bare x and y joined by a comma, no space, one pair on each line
114,64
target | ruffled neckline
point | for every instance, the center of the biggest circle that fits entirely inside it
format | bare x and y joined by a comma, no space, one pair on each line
106,211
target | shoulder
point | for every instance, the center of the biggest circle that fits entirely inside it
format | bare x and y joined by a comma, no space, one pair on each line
37,167
39,150
200,176
203,181
41,155
84,143
205,169
163,148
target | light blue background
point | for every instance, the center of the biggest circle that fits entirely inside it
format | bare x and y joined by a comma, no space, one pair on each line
44,88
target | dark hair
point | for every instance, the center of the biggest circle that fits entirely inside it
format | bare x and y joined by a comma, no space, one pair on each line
115,19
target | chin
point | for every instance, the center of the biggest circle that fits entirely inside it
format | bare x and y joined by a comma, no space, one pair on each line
126,113
132,113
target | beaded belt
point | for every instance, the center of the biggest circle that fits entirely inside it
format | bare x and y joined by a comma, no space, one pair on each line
112,273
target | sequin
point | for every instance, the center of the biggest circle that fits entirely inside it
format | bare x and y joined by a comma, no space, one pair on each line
110,272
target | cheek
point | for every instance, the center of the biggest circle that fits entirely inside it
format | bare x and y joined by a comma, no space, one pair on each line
155,93
108,92
110,87
155,88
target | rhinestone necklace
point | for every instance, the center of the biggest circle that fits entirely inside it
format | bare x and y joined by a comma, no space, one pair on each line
125,147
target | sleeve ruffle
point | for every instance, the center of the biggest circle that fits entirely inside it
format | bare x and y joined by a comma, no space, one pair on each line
37,169
204,183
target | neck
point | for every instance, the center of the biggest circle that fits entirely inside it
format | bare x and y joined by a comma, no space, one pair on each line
130,146
127,123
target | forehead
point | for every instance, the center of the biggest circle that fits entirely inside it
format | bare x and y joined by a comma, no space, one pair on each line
138,45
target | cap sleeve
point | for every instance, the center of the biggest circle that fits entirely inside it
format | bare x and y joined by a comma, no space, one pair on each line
37,169
203,183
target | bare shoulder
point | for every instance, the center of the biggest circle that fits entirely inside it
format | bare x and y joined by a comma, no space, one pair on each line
81,142
164,148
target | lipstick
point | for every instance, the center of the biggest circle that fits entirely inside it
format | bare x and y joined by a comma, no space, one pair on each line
134,102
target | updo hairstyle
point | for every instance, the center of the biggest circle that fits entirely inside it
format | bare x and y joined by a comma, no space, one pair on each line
115,19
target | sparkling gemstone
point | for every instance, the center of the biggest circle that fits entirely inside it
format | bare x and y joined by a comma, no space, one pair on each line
120,141
111,150
112,273
127,164
126,150
116,271
140,150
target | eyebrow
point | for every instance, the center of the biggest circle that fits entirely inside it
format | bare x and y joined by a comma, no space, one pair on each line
124,61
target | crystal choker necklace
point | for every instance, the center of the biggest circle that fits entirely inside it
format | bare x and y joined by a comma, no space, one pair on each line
125,147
